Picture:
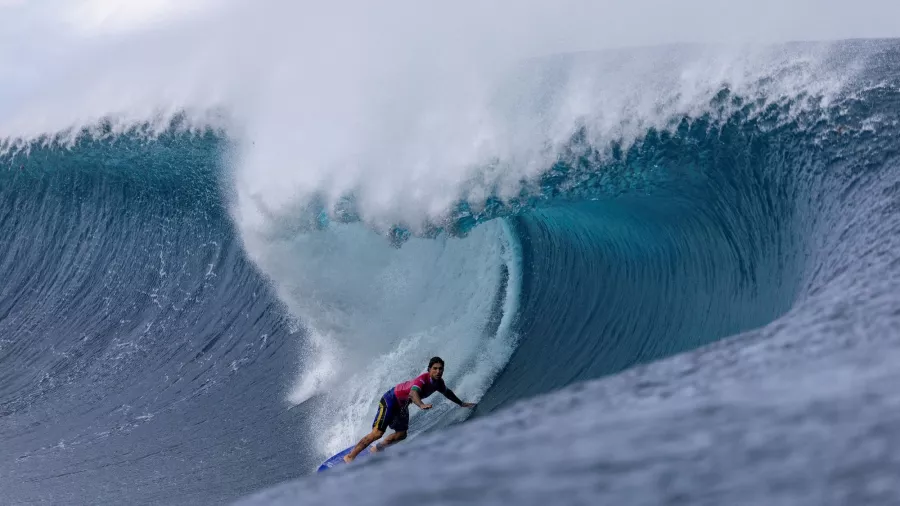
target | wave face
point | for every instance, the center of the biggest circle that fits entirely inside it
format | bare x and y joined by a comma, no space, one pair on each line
164,325
129,314
694,234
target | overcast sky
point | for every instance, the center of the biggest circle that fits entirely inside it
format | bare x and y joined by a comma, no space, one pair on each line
609,22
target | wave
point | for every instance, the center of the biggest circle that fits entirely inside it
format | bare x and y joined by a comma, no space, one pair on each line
775,229
183,292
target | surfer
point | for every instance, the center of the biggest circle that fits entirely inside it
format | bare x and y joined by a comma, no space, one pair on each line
393,409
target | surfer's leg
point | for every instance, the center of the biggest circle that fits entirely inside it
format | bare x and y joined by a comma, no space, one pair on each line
368,439
388,441
400,425
383,418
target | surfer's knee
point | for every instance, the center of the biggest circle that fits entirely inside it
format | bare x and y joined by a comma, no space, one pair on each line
377,433
400,436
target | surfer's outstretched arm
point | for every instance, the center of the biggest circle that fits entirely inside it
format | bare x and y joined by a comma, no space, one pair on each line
453,398
417,400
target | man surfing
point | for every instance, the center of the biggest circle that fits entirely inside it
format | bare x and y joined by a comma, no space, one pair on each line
393,409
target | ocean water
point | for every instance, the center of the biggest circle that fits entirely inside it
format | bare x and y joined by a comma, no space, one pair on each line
666,274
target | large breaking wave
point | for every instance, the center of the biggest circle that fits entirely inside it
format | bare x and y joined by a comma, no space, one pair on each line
199,307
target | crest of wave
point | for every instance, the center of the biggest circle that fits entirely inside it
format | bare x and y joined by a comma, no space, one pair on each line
406,105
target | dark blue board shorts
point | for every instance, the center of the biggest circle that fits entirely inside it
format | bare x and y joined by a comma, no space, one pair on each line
391,413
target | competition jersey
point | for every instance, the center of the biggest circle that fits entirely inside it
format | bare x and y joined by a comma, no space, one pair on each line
423,383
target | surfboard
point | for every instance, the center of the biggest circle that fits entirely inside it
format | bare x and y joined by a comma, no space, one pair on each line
338,459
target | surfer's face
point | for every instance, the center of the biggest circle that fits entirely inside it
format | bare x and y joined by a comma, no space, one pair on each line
436,371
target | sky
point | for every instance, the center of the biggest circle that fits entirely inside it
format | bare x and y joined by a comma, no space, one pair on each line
614,22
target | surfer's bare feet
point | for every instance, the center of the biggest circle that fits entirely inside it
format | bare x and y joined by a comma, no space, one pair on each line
347,459
374,448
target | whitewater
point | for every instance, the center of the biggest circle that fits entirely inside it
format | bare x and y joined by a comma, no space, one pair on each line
657,244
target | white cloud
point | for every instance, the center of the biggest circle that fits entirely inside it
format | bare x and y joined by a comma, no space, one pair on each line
92,16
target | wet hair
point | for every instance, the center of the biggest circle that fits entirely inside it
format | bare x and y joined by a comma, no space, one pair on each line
435,360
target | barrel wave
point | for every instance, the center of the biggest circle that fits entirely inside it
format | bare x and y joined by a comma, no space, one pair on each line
157,349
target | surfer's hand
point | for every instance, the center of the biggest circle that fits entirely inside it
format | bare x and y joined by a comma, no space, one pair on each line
425,406
468,405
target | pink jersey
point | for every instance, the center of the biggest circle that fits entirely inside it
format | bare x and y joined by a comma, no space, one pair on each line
423,383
